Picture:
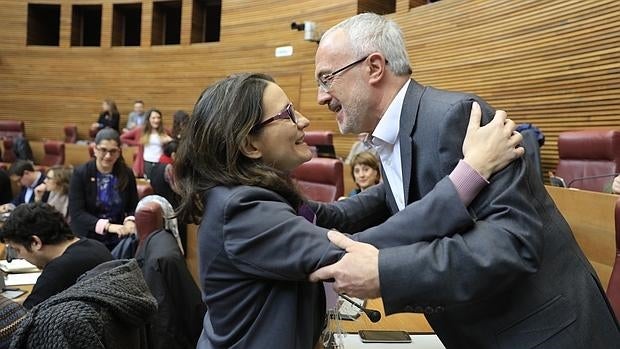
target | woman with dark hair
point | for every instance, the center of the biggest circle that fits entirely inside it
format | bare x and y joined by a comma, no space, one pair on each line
179,120
150,140
56,182
103,194
365,170
108,118
257,240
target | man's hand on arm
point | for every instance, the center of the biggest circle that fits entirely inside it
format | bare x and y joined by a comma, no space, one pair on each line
492,147
357,273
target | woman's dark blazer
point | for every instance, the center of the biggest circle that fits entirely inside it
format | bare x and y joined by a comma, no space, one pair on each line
83,198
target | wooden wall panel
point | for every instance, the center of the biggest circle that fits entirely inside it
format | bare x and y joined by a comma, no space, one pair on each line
552,63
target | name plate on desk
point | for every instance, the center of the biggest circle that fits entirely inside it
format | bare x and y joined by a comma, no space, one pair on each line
418,341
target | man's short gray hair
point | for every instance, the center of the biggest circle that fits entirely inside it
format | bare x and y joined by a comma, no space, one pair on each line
370,32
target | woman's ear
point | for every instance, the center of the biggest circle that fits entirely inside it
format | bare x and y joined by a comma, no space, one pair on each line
250,147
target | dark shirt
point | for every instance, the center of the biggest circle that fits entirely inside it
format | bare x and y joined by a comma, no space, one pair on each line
111,120
62,272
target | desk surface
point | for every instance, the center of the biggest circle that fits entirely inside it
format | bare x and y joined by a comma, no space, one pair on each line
410,322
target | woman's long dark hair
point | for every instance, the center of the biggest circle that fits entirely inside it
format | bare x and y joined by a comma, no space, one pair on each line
120,168
209,153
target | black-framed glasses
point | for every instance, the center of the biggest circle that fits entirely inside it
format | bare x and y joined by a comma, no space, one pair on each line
287,113
325,81
112,152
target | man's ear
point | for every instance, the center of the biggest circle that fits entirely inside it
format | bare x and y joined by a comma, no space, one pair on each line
377,67
36,244
250,147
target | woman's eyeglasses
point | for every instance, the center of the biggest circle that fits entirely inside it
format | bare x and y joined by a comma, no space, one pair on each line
287,113
112,152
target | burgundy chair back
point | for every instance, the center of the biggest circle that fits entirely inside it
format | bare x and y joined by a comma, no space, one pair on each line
586,154
149,219
8,155
144,189
12,129
71,134
320,179
318,137
54,153
613,288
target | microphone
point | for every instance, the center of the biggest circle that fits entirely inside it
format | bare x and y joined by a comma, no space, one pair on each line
578,179
373,315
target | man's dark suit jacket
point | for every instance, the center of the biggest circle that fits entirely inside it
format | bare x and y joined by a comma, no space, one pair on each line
505,272
21,197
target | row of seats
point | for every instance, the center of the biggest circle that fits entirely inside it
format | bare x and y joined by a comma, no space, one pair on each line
589,159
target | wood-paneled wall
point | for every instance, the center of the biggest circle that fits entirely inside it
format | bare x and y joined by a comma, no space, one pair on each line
552,63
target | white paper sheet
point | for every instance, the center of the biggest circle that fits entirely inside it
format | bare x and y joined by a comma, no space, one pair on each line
17,266
22,279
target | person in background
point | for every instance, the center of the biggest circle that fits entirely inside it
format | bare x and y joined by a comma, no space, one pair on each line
170,149
150,140
40,235
257,240
23,173
504,273
359,146
56,185
179,120
108,118
365,170
103,193
136,117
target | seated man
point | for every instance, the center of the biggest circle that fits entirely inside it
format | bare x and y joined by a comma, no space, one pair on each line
22,172
41,236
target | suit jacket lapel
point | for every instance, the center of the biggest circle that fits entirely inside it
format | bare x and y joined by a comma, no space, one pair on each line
408,116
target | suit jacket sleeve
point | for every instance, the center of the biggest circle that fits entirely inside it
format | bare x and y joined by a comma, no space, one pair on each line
503,244
265,237
419,220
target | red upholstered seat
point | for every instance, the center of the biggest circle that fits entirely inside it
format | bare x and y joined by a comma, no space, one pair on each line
12,129
318,137
71,134
149,219
54,153
320,179
588,153
144,189
8,155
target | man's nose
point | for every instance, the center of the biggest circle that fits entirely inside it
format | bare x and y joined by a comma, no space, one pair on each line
322,97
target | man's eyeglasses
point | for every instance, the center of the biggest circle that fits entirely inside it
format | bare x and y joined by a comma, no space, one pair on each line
325,81
112,152
287,113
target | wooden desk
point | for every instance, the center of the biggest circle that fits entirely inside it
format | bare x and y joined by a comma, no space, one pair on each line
410,322
591,216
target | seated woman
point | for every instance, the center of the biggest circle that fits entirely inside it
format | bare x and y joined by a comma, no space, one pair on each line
365,170
150,140
108,118
103,193
56,182
257,242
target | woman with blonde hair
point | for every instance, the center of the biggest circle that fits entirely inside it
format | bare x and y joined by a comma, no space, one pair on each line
56,182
